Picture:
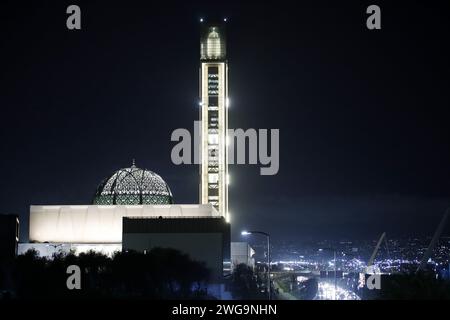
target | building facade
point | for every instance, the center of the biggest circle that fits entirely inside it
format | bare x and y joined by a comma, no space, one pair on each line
128,192
242,253
205,239
99,224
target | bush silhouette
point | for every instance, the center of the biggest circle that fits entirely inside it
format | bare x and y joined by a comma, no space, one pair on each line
160,274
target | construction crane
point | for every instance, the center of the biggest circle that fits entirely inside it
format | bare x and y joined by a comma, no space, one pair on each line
434,241
375,251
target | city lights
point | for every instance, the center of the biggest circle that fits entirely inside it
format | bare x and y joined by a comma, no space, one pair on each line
327,291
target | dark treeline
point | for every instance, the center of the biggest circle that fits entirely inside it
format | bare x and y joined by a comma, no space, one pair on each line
159,274
246,284
166,274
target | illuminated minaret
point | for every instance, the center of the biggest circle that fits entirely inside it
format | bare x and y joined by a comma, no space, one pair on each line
214,117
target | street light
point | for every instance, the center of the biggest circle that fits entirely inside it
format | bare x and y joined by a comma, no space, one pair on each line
247,233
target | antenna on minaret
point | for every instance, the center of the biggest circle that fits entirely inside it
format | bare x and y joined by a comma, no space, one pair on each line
134,163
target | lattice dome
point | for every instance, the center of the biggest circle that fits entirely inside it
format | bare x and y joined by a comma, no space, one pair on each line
133,186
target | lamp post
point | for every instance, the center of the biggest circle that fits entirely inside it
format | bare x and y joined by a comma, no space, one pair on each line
246,233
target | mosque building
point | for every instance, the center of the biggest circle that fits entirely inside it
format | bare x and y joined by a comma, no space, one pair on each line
134,209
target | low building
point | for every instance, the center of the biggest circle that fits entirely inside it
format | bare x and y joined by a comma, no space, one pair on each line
241,252
205,239
128,192
94,227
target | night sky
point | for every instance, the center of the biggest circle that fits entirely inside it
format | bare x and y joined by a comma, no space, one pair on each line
363,115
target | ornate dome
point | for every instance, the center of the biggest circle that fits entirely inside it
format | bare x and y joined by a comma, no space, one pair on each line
133,186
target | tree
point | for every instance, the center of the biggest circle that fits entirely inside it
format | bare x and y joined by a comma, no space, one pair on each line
159,274
245,283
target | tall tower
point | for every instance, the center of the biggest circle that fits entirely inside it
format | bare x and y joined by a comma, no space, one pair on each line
214,117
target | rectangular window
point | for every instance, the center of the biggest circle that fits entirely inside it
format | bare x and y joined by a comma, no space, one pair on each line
213,101
213,192
213,139
213,85
213,178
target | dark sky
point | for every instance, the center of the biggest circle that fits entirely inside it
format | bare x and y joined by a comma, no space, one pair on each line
363,115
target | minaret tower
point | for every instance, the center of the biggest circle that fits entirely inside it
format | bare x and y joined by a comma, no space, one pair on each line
214,117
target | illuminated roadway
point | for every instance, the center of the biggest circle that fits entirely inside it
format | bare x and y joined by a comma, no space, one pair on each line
286,290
